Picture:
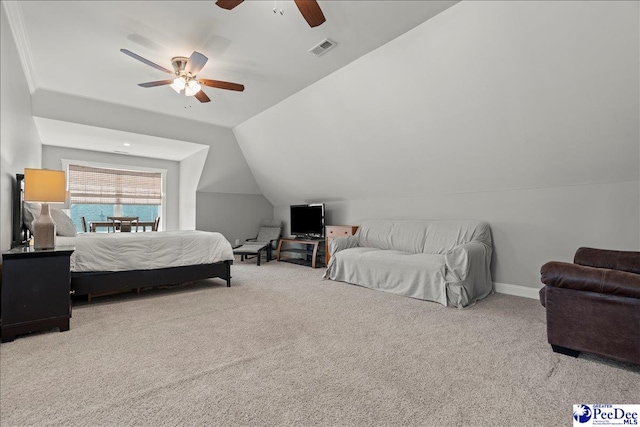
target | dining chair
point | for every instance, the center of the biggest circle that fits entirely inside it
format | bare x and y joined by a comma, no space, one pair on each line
126,223
156,223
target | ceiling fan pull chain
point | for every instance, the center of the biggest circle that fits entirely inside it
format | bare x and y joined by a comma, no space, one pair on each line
275,7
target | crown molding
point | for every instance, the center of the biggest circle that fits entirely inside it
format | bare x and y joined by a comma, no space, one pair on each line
16,23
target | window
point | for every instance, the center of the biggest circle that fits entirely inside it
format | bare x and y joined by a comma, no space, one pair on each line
99,192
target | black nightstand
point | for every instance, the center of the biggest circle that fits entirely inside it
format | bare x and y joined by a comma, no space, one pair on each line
35,290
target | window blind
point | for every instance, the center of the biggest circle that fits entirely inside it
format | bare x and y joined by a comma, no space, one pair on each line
114,186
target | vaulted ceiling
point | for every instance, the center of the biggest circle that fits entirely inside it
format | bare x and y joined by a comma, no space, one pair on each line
73,47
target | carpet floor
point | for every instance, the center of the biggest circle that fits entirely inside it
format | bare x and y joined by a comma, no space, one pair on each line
282,347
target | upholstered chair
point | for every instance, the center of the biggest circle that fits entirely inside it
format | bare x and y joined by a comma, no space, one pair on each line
269,233
593,305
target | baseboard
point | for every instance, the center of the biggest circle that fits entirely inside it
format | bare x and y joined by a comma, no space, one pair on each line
517,290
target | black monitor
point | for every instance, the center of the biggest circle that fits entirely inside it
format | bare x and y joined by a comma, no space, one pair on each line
307,220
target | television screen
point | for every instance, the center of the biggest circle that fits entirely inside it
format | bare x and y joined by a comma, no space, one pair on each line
307,220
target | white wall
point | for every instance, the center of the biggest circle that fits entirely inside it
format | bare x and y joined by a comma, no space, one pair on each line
236,216
190,173
524,114
225,169
52,159
19,141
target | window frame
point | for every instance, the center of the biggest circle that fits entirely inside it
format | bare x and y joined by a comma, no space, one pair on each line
117,210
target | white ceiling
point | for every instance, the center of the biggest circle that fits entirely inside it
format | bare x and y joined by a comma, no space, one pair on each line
74,47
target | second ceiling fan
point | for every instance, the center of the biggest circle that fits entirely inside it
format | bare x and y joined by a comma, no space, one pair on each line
309,8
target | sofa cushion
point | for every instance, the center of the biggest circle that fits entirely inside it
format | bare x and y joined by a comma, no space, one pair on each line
443,236
415,275
406,236
416,236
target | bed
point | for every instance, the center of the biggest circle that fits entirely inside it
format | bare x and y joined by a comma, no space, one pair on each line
106,263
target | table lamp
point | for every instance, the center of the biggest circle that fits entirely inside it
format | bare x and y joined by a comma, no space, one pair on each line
45,186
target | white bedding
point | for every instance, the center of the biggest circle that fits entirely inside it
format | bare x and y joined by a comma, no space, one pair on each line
145,251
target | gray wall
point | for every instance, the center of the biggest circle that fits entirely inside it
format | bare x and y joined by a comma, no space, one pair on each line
19,141
52,156
524,114
236,216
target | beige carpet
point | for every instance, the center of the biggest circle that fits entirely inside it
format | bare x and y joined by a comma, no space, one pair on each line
283,347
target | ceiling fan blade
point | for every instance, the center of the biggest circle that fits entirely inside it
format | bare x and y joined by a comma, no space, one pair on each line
222,85
202,97
228,4
195,63
146,61
156,83
311,12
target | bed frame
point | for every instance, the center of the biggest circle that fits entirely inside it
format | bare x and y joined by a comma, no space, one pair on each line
103,282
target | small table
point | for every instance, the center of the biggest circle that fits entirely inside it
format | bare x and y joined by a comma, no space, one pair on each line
253,249
93,225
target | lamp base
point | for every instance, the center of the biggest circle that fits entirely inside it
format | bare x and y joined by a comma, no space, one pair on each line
44,230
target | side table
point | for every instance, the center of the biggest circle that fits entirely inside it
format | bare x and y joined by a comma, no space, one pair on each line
35,290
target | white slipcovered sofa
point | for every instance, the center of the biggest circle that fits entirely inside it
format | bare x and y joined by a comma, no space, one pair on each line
442,261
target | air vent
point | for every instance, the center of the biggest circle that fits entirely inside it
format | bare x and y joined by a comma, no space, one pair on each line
322,47
120,152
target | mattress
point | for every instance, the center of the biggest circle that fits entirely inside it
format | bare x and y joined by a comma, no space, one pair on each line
145,251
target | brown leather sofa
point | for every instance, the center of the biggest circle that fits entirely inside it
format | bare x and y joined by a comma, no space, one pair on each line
593,305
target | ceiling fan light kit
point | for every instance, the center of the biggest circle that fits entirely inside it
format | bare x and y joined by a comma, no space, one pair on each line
185,71
178,84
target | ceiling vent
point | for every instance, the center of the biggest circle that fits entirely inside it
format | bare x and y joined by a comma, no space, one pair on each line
322,47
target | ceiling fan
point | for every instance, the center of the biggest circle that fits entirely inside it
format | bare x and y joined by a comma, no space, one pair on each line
309,8
184,72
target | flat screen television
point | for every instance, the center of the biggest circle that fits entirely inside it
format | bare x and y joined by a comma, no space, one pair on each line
307,220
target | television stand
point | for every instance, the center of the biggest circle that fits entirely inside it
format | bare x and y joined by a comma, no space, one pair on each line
312,250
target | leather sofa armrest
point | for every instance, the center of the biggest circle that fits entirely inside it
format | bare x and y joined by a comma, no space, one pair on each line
584,278
604,258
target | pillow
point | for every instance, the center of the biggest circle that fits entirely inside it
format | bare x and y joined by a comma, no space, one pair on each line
64,225
30,211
